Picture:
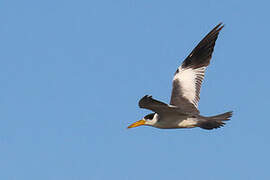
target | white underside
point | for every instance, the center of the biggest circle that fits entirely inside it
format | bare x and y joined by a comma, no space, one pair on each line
172,122
188,123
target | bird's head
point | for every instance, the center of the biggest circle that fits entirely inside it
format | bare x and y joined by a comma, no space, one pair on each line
148,120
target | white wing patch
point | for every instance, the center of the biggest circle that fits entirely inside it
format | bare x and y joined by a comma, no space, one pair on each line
190,81
188,123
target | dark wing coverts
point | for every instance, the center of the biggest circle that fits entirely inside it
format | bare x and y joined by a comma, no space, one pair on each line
147,102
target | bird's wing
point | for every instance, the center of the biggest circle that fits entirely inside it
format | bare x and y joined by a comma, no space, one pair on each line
189,76
147,102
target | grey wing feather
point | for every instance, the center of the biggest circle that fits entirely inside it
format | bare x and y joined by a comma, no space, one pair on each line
147,102
189,76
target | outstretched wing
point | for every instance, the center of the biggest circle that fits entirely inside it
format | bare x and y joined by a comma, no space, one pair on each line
147,102
189,76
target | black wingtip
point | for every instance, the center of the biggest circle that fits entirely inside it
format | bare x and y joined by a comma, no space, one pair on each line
144,99
216,29
147,99
220,26
202,53
146,96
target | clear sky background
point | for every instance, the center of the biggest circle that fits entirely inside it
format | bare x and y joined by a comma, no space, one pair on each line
72,73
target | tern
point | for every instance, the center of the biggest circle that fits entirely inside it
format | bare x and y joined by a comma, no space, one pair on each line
182,112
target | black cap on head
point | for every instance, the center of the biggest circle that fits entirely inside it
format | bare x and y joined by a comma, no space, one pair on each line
149,116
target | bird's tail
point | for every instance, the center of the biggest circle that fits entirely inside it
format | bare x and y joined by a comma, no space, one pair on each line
214,122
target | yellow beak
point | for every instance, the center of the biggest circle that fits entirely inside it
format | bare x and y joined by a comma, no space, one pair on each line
137,123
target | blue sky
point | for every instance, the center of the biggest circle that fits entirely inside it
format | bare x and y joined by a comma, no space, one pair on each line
72,73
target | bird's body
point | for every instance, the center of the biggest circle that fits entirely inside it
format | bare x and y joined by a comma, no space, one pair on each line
182,112
173,121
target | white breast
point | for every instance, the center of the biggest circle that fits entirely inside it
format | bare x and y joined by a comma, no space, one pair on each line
170,122
188,123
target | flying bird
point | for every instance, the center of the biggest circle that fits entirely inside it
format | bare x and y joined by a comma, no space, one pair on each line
182,112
